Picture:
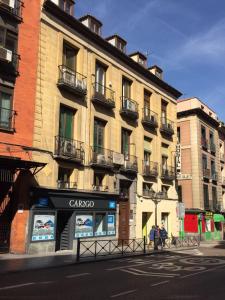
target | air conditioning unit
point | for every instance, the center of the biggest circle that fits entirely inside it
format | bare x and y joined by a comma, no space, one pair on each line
128,164
130,105
101,159
68,76
10,3
5,54
68,148
118,158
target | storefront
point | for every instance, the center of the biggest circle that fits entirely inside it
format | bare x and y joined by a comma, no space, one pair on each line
59,217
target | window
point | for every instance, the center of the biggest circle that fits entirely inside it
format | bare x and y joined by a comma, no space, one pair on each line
165,190
69,57
204,162
94,26
147,96
178,135
164,162
165,220
214,197
179,192
203,132
206,196
100,74
64,178
164,111
125,142
66,120
126,88
67,6
121,46
8,40
147,189
2,36
147,156
100,224
5,108
98,180
213,167
99,128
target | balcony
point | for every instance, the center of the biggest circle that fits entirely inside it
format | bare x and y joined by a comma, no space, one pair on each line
167,126
103,95
69,149
101,158
204,143
212,147
61,184
222,159
150,118
148,193
129,108
12,8
9,61
214,176
7,119
168,173
130,164
206,173
150,169
71,81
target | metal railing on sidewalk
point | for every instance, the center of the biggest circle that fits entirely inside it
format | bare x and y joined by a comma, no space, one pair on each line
95,249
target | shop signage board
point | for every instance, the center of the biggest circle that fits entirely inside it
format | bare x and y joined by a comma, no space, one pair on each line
74,203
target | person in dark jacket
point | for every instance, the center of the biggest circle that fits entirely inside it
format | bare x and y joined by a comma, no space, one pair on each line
163,236
151,236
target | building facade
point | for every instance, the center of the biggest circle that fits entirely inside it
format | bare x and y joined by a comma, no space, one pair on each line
19,24
200,171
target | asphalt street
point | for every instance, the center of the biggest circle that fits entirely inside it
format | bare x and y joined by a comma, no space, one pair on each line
190,274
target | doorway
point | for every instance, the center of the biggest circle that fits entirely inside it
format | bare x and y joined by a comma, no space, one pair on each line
145,221
64,239
124,211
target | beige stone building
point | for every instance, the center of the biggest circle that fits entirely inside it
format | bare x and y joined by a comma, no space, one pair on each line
106,127
200,170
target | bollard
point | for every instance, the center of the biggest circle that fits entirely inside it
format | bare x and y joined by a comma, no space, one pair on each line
78,249
144,244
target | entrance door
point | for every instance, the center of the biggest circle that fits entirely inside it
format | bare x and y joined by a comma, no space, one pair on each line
63,240
124,210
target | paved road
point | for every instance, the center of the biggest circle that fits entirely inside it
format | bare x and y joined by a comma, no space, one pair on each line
185,275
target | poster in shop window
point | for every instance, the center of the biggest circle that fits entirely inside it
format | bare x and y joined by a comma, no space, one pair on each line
111,225
99,225
43,228
84,226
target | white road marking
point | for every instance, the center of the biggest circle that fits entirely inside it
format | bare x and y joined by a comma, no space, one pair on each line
16,286
208,270
45,282
158,283
123,293
77,275
144,273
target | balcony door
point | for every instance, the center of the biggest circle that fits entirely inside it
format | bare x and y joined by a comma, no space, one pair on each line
69,57
147,96
5,109
66,122
125,143
164,164
99,128
164,112
100,74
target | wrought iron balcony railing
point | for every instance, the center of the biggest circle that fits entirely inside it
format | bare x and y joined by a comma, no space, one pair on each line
212,147
167,126
103,95
130,164
62,184
69,149
12,7
129,108
168,173
150,168
150,118
204,143
7,119
72,81
206,173
101,157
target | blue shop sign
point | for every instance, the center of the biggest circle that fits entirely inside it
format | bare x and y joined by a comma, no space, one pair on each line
42,202
112,204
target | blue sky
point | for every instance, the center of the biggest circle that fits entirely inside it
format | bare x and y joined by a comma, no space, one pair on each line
186,38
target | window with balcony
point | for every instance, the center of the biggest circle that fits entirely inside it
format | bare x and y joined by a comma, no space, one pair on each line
100,75
99,128
125,142
212,143
67,6
178,135
6,112
126,88
98,181
164,112
204,142
214,198
147,189
204,162
147,96
206,196
69,57
164,163
66,122
8,49
64,178
165,190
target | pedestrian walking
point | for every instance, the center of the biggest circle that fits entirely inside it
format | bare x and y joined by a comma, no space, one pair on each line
151,236
163,236
156,237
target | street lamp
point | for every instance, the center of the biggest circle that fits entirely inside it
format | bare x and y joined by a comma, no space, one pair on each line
156,198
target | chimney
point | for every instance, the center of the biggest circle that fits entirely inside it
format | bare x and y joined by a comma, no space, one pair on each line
92,23
139,58
118,42
157,71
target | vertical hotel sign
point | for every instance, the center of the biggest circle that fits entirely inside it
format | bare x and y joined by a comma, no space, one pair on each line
178,158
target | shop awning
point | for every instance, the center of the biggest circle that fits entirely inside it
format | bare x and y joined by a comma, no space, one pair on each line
218,218
15,164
